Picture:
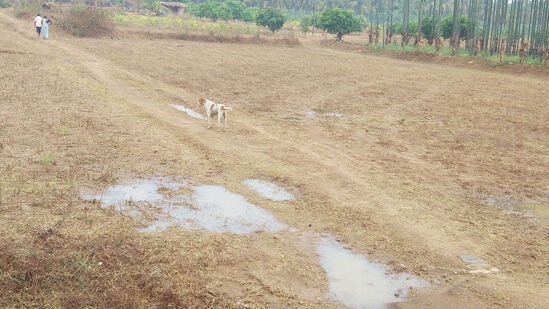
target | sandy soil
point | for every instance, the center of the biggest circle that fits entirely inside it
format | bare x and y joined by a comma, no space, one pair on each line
409,173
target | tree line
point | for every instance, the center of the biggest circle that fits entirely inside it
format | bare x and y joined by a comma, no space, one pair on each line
493,26
489,26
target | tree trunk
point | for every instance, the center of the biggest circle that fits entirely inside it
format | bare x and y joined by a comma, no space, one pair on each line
405,21
456,23
419,23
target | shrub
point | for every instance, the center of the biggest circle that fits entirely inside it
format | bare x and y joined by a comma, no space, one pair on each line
84,21
305,23
249,14
271,18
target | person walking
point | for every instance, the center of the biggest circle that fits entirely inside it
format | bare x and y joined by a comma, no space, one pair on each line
45,27
38,24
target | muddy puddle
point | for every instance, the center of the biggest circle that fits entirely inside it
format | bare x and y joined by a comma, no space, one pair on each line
161,203
537,211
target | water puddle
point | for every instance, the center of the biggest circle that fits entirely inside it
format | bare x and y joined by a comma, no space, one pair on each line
268,190
476,265
358,283
188,111
534,210
221,210
120,196
160,203
313,113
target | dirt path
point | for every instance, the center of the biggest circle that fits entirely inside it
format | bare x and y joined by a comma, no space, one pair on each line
402,176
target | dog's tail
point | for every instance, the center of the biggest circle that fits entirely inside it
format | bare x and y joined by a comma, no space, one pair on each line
226,108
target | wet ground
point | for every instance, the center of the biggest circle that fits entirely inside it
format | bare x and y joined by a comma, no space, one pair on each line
157,203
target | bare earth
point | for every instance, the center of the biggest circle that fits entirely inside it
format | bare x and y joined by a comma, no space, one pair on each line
409,175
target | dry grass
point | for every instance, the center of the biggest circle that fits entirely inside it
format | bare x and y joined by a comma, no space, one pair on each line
399,177
60,252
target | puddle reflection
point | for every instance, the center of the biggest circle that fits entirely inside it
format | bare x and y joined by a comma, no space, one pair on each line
358,283
157,204
221,210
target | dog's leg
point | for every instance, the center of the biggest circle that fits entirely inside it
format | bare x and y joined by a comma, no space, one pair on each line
220,114
209,114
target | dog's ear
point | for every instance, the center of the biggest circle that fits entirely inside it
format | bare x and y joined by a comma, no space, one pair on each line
202,101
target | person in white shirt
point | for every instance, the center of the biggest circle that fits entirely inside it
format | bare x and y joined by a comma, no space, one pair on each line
38,24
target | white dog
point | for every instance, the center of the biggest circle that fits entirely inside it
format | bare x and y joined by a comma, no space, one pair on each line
213,109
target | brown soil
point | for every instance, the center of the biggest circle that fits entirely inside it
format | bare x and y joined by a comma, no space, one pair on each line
402,177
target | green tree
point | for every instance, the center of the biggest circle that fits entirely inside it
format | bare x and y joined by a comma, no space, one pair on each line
428,29
271,18
213,10
236,7
305,23
204,9
446,26
249,14
340,22
223,11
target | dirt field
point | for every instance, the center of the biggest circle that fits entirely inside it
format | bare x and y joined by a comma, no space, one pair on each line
410,162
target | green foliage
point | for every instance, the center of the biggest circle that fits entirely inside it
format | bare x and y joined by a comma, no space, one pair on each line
446,26
315,19
84,21
236,8
398,27
249,14
340,22
428,28
305,23
5,4
223,9
271,18
213,10
310,20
